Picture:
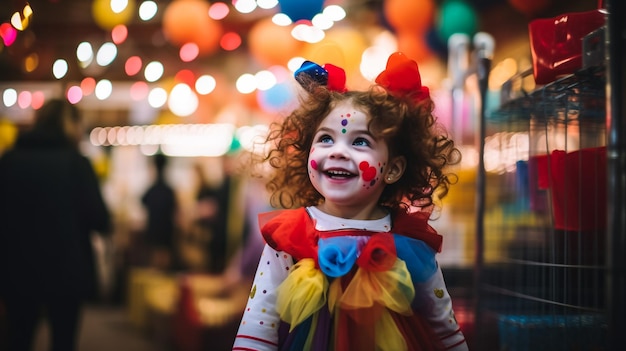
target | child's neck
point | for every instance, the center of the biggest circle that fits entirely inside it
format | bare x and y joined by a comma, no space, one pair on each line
360,213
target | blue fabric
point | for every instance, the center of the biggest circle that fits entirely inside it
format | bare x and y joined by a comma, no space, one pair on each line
337,255
419,258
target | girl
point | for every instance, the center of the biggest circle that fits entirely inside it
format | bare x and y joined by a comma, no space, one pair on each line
347,266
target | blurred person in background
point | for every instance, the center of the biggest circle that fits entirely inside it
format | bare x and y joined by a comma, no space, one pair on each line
50,205
161,206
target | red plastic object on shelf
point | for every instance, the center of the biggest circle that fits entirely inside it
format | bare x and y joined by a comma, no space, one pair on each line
556,43
577,181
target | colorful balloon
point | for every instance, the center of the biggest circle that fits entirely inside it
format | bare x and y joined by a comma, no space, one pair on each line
414,16
262,43
188,21
300,9
456,16
106,18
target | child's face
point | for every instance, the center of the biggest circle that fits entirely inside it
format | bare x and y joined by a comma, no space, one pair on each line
346,163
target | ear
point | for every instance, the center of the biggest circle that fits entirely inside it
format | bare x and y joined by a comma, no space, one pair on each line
395,169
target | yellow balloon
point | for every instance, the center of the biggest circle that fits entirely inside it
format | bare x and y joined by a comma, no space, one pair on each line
106,18
323,53
341,47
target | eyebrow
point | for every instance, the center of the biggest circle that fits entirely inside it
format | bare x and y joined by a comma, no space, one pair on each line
352,131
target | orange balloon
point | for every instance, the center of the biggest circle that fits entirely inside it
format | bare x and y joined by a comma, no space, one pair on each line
412,15
530,7
188,21
414,46
271,44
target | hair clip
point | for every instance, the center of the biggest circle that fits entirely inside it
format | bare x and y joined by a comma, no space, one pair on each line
331,76
401,77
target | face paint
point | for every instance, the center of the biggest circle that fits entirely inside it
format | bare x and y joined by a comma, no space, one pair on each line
344,122
346,164
368,173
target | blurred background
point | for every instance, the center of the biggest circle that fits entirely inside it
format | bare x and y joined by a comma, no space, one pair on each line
200,81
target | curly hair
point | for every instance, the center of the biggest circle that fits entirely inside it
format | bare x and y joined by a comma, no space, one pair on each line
408,128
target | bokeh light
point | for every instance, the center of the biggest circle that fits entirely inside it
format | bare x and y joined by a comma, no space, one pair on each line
88,85
38,99
230,41
106,54
246,83
8,34
31,62
182,100
132,65
218,11
153,71
185,76
9,97
74,94
157,97
205,84
84,54
147,10
119,34
139,91
24,99
104,88
189,52
59,68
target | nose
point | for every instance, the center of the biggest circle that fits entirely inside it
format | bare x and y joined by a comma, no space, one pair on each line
339,151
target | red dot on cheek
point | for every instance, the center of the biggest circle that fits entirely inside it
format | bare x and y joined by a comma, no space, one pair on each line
369,172
314,164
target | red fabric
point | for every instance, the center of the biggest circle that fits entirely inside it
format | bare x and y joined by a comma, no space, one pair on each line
379,254
415,225
336,78
402,77
292,231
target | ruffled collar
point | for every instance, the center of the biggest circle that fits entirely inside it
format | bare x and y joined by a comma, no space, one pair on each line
293,231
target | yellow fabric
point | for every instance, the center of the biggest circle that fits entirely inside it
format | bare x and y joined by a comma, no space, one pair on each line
302,293
392,289
334,293
388,337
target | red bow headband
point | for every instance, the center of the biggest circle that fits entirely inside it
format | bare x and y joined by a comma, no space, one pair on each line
400,78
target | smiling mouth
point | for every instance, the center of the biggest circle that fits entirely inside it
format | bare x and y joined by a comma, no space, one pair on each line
335,174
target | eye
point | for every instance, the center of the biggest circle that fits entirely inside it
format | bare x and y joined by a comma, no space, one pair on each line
361,142
325,139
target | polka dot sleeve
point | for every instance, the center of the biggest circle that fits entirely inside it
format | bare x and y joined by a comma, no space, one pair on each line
259,326
436,305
